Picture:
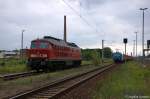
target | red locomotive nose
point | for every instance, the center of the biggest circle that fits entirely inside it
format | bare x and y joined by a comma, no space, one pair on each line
38,53
39,49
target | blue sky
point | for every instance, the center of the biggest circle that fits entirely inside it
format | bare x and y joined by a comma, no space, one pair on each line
111,20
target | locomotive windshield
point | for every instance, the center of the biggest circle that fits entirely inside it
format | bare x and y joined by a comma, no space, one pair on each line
43,45
39,45
33,45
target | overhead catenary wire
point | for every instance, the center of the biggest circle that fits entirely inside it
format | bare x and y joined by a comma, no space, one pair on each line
91,26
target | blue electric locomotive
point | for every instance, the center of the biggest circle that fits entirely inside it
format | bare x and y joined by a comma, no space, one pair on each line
117,57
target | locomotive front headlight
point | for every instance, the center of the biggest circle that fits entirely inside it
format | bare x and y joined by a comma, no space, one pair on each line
33,55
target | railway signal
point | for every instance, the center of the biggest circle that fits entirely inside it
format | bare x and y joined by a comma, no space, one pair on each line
125,41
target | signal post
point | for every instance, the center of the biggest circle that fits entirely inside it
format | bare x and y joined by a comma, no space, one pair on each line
125,41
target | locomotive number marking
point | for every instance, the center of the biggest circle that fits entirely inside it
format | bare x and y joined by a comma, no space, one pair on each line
38,55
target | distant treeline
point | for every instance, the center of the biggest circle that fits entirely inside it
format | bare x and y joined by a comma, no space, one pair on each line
87,54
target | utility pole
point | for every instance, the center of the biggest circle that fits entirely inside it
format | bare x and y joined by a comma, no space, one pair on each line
133,48
125,48
21,51
102,51
136,44
143,9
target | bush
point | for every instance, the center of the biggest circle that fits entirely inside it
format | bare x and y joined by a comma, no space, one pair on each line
95,57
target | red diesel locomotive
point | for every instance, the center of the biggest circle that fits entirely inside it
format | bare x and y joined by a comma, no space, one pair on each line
51,53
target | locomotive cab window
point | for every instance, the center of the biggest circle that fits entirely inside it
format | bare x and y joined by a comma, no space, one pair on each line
43,45
39,45
33,45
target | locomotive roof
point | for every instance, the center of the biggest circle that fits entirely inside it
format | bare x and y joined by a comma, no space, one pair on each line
57,41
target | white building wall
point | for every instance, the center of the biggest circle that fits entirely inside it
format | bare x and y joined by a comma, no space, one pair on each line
1,55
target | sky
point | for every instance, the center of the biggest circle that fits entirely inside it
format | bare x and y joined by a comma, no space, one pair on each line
88,22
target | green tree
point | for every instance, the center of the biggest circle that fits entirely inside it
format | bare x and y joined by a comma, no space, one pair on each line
107,52
87,53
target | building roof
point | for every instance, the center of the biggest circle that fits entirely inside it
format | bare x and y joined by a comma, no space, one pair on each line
9,52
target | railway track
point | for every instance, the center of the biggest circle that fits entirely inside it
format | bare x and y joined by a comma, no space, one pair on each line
17,75
59,87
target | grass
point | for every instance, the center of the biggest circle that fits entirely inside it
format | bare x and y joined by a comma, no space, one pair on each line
85,62
128,80
51,75
90,62
12,66
17,65
13,69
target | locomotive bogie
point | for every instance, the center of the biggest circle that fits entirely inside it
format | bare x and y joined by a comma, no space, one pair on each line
52,65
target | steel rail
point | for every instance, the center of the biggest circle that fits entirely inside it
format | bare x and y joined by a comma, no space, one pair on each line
22,74
58,87
17,75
